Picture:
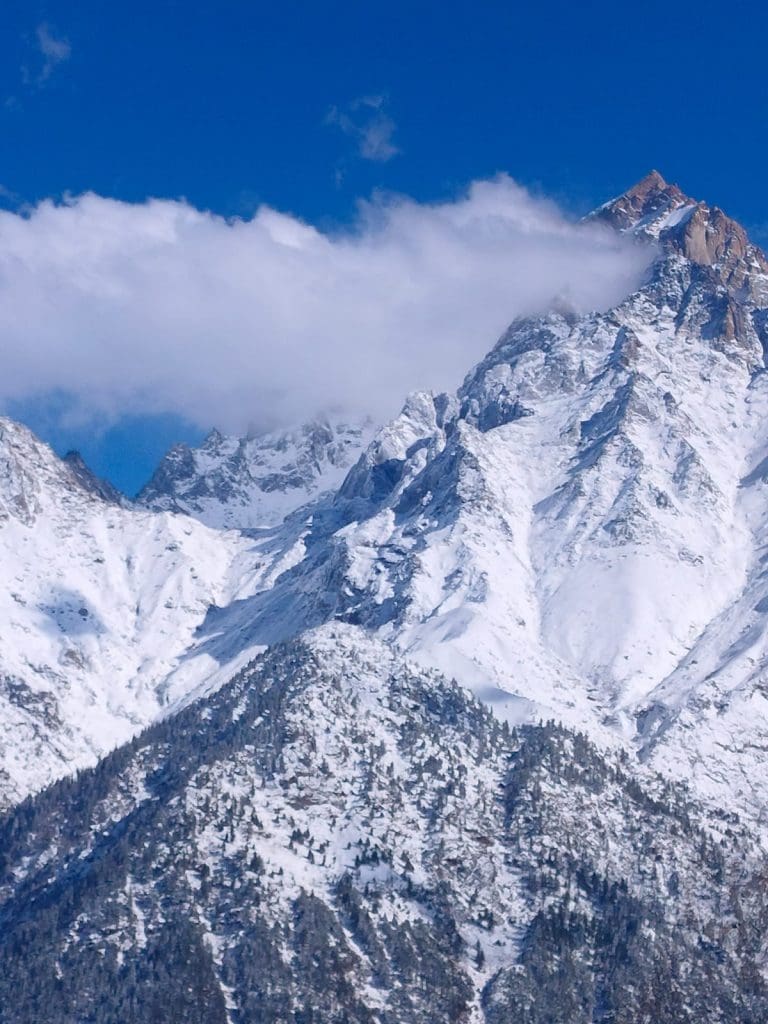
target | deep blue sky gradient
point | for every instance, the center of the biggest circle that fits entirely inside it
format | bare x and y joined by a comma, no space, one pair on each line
225,104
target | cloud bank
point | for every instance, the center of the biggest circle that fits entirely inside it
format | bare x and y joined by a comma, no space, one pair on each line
133,309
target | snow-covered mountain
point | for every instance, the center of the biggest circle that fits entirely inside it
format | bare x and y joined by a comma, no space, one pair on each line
348,811
99,607
104,597
576,533
255,482
579,531
338,836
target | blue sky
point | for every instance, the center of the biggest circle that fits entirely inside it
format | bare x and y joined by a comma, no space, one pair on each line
307,107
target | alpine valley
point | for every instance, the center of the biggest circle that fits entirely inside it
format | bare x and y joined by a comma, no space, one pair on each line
462,719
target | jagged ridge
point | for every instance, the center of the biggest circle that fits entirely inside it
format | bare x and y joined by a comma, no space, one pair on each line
254,482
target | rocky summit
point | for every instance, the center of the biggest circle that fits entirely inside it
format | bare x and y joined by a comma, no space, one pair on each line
461,719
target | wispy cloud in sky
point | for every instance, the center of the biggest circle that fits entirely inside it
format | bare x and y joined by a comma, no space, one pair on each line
367,121
161,308
52,49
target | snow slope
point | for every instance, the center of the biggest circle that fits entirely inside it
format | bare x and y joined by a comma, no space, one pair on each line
100,604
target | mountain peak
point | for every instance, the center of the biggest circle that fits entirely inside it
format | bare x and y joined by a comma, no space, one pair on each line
645,206
652,182
655,210
253,482
214,439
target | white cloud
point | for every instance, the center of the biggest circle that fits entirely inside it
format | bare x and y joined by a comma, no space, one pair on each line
366,120
159,307
53,50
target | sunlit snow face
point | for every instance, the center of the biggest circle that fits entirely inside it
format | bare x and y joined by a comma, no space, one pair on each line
160,307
